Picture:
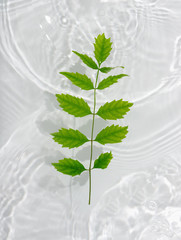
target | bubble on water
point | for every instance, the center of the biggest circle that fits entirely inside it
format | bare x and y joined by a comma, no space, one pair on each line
151,205
64,21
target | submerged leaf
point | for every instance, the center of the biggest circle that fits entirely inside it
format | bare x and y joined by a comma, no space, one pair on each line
109,81
87,60
103,160
73,105
112,134
114,110
69,138
79,80
69,166
108,69
102,48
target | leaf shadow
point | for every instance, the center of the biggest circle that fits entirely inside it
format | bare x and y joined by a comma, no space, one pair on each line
81,179
98,126
84,154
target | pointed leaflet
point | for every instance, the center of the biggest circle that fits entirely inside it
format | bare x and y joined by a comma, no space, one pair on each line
102,48
87,60
114,110
79,80
103,160
69,138
111,134
69,166
109,81
108,69
73,105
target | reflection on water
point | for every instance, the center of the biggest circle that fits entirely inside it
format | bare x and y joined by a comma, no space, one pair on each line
139,196
144,205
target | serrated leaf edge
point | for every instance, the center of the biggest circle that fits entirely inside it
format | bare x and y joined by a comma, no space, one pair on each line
56,164
99,157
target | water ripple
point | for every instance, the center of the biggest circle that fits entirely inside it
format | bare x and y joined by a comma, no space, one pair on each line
141,206
141,188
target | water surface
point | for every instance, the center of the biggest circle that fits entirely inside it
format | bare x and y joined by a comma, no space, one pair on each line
138,196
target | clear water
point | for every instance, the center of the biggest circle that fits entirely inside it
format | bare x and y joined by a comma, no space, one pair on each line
139,196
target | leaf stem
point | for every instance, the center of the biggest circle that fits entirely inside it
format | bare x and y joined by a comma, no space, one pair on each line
92,136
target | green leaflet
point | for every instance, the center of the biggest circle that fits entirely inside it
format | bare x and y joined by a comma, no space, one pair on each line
103,160
109,81
79,80
111,134
69,166
69,138
87,60
73,105
114,110
108,69
102,48
78,107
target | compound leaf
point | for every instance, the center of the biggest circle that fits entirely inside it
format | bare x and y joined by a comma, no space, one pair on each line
69,138
73,105
79,80
108,69
114,110
109,81
103,160
102,48
111,134
87,60
69,166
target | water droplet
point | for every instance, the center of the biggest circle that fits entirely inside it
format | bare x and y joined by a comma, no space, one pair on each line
48,19
64,21
151,205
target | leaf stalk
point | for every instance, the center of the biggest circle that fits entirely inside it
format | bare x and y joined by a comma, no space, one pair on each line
92,136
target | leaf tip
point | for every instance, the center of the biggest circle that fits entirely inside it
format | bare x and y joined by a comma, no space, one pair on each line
126,128
131,104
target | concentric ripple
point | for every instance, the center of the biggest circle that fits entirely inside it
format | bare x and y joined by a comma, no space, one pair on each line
138,196
144,205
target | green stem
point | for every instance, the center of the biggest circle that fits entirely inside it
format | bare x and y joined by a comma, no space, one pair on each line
92,137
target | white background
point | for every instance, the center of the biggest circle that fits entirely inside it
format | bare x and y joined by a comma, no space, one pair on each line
138,196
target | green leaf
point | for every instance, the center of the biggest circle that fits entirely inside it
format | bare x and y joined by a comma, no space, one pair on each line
108,69
109,81
69,138
69,166
114,110
111,134
103,160
87,60
102,48
79,80
73,105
